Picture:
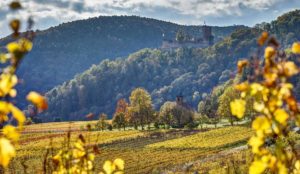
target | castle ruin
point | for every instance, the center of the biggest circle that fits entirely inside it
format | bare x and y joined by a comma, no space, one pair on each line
191,42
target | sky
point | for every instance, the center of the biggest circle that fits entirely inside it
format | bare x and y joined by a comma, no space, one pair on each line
47,13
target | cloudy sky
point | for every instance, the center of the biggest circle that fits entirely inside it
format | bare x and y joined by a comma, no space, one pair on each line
47,13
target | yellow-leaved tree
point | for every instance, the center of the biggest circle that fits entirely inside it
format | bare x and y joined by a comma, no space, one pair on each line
277,108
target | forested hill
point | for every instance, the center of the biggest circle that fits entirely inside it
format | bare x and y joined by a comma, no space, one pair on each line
165,74
61,52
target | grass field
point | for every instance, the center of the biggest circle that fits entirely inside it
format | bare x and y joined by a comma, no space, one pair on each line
143,151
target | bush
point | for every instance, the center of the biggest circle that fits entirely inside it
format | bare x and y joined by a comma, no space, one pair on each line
156,125
109,127
191,125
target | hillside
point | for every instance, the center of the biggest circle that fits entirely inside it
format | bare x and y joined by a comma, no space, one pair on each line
61,52
164,74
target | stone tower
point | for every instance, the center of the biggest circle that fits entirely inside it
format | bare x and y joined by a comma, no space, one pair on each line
207,34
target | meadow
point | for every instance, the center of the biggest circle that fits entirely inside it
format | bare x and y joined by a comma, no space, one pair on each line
152,151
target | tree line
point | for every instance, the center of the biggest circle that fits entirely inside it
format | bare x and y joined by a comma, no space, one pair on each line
139,113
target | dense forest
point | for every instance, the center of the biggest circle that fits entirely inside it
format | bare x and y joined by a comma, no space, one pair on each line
165,74
61,52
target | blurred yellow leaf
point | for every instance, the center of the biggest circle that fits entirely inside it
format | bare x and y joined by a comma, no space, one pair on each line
18,49
109,167
11,132
255,142
4,108
17,114
256,87
13,47
285,90
269,52
37,100
77,153
282,168
3,58
13,93
270,78
296,48
262,39
7,82
119,172
26,45
57,158
241,64
242,86
297,165
290,68
261,123
91,157
238,107
7,151
259,107
119,163
257,167
281,116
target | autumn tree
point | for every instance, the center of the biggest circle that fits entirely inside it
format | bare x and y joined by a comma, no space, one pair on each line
119,120
209,105
119,116
181,116
224,101
141,107
165,114
121,106
201,107
231,93
175,115
102,122
201,119
131,116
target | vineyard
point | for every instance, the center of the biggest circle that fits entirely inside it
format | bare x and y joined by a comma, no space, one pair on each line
143,151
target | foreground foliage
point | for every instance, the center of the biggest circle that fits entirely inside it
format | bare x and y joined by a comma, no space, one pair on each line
9,113
277,109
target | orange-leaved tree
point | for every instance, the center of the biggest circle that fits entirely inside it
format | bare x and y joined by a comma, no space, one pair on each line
119,119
